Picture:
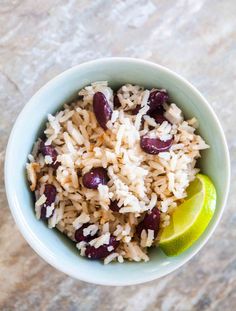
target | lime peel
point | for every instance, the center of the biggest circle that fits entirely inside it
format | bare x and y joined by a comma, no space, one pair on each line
191,217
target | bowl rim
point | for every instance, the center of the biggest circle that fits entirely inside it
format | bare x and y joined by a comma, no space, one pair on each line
22,224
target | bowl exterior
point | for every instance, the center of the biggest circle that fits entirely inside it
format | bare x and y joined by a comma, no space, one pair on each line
53,246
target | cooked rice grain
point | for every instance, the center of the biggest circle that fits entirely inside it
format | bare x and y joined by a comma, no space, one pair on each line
137,180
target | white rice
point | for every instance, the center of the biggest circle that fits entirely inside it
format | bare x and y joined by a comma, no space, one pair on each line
137,180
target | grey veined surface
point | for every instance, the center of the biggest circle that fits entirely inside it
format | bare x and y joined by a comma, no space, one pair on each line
38,40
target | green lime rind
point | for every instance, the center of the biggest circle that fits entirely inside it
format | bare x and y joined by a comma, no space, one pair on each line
191,218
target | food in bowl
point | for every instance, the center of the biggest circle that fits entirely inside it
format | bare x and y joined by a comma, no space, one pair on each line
112,169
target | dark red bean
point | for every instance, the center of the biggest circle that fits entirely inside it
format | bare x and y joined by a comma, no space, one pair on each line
157,98
151,221
79,234
102,109
95,177
114,206
159,118
116,101
50,192
159,110
102,251
49,150
43,212
154,145
135,110
158,115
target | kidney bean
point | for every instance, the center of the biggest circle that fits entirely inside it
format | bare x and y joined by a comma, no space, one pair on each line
114,206
43,212
154,145
102,109
95,177
116,101
79,234
157,98
102,251
135,110
49,150
159,118
151,221
50,192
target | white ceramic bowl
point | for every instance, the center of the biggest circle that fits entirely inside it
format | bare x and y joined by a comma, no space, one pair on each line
56,249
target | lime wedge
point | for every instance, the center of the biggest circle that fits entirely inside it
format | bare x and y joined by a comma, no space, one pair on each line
190,218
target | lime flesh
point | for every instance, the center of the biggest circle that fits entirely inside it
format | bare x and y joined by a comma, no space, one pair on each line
190,218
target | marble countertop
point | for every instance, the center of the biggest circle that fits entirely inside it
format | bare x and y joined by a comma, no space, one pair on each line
41,38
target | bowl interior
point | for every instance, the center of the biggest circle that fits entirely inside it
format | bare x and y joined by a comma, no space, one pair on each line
53,246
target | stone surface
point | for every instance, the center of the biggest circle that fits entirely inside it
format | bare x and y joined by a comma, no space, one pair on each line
41,38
